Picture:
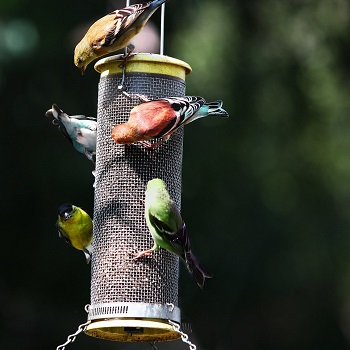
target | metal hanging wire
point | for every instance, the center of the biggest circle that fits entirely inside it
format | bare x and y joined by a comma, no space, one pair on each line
162,24
127,3
121,86
71,338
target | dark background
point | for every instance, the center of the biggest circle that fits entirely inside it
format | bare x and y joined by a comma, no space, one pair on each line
266,193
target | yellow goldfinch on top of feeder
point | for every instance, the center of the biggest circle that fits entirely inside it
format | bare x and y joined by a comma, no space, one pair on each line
113,32
75,227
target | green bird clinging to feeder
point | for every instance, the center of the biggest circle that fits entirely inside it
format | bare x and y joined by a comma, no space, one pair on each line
169,230
75,226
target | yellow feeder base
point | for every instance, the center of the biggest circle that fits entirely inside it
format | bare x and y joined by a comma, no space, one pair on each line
129,330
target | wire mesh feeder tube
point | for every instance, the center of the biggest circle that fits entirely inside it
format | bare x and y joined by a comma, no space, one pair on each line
133,300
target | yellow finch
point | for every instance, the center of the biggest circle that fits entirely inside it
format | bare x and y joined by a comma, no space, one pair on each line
113,32
75,227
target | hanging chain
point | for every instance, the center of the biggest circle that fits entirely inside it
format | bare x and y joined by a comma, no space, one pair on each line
71,338
184,336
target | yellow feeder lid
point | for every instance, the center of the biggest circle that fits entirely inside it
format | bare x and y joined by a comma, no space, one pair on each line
144,63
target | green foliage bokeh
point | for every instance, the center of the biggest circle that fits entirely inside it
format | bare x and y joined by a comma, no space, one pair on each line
266,194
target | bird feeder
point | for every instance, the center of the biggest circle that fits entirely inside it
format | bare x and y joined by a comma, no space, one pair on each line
133,300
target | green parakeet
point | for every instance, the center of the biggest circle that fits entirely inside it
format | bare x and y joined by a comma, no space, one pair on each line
169,230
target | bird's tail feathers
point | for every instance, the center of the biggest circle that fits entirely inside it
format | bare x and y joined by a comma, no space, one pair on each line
215,109
149,9
198,271
56,113
156,3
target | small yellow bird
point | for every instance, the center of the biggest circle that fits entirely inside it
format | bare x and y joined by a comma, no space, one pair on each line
113,32
75,227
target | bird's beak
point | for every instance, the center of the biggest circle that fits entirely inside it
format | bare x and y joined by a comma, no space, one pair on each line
82,69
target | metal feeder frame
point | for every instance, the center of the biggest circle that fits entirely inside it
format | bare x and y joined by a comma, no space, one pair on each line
133,300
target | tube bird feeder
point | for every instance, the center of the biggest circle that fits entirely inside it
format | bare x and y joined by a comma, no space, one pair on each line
133,300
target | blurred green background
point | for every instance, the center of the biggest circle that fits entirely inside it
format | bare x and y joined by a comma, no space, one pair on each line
266,193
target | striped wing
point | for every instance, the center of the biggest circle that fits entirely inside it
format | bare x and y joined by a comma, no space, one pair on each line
176,242
123,19
185,108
